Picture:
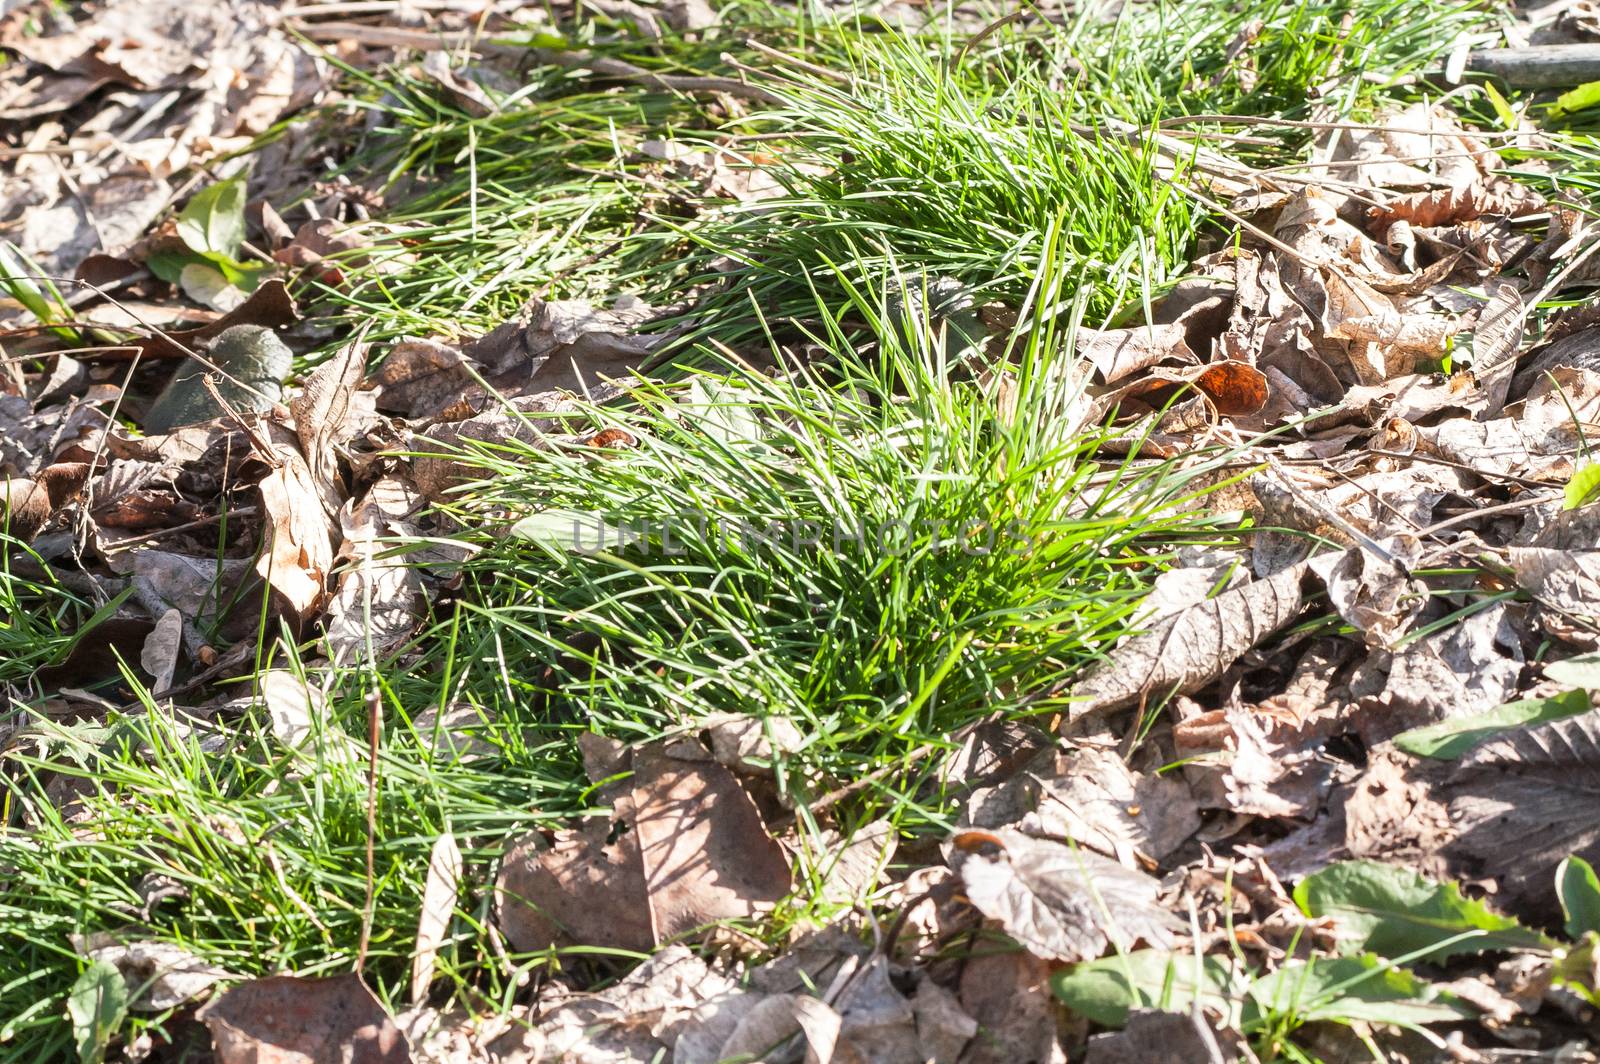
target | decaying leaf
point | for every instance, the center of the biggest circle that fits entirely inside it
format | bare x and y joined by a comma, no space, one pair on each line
439,893
159,975
299,554
1189,649
638,1019
1059,902
1091,796
693,851
318,1021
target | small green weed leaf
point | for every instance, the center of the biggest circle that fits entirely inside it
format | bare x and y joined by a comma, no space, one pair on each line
1342,989
1502,106
1581,671
1579,889
212,223
1583,488
1449,739
97,1006
1106,990
1394,912
1578,969
1581,98
206,285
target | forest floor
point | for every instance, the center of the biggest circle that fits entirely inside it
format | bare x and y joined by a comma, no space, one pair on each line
884,532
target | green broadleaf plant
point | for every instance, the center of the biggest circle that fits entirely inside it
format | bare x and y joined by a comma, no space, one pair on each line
1393,911
97,1006
1451,738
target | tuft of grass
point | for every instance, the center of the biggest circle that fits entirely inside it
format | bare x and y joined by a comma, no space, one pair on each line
874,547
1016,556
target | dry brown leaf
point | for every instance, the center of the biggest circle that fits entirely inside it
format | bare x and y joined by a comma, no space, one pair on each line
380,599
1524,801
1566,590
159,656
1189,649
1117,353
1059,902
439,893
1371,586
1018,1018
159,975
287,1020
1091,796
322,417
695,851
638,1019
1155,1037
1445,206
298,558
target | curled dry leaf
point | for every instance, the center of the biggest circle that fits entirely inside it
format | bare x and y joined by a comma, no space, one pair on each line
159,656
322,416
299,553
1188,649
638,1019
380,598
289,1020
26,505
159,975
1118,353
1060,902
438,905
1091,796
694,851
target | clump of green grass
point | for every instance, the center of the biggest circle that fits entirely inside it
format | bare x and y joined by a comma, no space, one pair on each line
881,552
1014,556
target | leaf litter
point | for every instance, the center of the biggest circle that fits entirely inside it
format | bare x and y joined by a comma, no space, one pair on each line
1367,702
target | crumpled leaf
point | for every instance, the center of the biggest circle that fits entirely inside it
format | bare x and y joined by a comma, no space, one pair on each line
159,656
299,555
159,975
1059,902
695,851
1153,1035
1187,650
285,1019
1091,796
639,1018
380,599
1018,1018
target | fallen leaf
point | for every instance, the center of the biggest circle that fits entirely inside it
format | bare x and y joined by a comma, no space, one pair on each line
1155,1037
298,558
379,601
1059,902
322,415
695,852
1091,796
439,893
1526,800
159,657
159,975
638,1019
285,1019
1186,650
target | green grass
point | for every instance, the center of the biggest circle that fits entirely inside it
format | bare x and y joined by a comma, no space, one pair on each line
872,652
1018,164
